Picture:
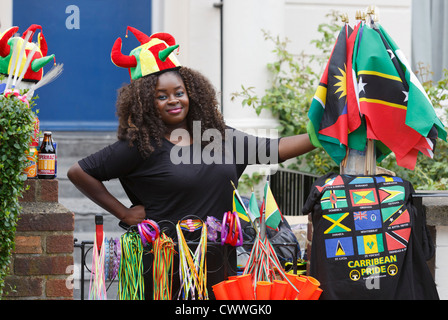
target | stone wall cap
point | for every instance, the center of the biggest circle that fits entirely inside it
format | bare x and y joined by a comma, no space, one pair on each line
43,207
436,204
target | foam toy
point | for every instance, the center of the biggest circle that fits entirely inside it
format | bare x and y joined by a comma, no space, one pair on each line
34,56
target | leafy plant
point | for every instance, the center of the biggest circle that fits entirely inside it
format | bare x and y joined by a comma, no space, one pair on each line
16,127
248,183
293,85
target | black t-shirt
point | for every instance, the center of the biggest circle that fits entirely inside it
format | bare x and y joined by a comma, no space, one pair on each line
365,240
178,181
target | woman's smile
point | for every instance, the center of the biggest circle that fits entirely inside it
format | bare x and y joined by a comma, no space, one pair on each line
172,100
175,110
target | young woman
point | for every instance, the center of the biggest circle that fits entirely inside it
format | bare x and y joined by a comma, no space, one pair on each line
149,110
174,156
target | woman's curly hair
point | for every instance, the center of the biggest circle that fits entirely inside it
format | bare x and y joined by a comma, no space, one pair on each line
140,121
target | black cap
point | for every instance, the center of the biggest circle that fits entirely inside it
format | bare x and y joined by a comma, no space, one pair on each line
98,219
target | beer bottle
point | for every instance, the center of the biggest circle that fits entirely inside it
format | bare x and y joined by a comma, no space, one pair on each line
47,158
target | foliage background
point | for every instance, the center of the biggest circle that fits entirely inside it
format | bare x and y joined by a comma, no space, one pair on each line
16,127
294,82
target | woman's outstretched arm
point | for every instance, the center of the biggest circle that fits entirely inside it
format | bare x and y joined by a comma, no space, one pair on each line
294,146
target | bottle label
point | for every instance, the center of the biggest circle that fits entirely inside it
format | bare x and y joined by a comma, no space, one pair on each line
35,136
46,164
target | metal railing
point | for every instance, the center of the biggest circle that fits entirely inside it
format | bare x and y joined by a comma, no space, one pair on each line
225,267
291,189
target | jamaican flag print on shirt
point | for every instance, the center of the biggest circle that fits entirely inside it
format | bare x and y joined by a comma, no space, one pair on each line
364,244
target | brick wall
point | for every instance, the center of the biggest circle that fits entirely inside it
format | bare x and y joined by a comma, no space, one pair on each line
43,255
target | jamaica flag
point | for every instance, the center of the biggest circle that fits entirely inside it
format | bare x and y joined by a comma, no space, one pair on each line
238,206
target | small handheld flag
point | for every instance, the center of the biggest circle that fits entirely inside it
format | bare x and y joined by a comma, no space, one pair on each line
273,216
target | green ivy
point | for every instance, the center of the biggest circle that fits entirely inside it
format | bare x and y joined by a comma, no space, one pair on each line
16,127
293,85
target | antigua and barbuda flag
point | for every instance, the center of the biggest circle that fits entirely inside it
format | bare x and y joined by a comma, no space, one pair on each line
328,114
335,121
336,181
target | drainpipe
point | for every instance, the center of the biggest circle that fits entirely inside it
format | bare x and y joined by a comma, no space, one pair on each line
220,5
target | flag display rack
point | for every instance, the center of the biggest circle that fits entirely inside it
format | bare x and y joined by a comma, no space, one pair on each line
369,103
194,269
363,162
87,249
360,162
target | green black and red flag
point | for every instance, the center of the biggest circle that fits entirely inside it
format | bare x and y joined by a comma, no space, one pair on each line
368,91
335,101
384,86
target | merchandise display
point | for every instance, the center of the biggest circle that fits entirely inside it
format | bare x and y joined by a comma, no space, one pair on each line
124,259
22,62
368,239
367,242
242,288
368,93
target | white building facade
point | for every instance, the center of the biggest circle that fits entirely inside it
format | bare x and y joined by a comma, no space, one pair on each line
245,53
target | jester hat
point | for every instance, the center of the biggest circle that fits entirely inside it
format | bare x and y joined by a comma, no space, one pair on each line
154,55
38,51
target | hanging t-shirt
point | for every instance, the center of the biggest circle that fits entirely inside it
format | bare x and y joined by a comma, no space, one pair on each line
365,244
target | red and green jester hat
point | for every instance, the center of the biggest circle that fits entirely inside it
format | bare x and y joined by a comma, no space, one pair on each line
155,54
38,60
